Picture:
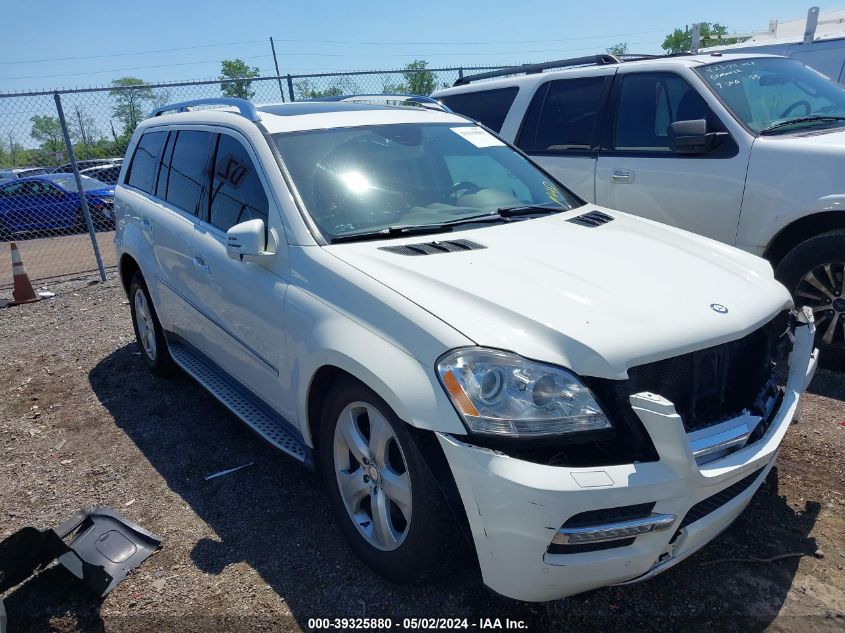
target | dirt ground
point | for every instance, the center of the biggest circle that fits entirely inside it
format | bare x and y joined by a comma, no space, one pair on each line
83,422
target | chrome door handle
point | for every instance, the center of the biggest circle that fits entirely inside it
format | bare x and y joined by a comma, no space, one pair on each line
622,176
146,225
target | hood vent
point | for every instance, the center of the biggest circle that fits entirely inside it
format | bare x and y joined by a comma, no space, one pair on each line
433,248
591,219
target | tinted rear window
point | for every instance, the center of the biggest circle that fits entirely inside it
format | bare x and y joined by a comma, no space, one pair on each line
489,107
142,171
562,115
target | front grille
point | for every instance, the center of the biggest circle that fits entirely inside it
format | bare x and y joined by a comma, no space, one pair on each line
716,501
710,385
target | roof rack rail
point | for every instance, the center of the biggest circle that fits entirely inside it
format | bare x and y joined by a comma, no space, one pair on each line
246,108
428,103
529,69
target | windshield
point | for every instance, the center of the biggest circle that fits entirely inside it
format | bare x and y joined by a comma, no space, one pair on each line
365,179
766,91
88,184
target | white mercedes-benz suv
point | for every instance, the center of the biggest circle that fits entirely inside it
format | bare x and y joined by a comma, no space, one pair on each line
395,296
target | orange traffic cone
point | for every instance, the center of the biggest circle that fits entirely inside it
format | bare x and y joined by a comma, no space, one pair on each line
22,292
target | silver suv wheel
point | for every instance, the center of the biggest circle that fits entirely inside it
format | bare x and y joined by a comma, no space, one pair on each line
144,322
372,476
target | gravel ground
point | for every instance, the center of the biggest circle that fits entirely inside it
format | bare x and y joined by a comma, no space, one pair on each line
83,422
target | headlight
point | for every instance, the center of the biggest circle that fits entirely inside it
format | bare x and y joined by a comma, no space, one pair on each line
499,393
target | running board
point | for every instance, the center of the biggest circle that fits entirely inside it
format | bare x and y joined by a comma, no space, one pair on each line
251,410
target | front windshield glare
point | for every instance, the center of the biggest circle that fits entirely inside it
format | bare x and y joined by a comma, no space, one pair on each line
366,179
765,91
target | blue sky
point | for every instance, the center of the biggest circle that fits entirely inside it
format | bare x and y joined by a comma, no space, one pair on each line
104,37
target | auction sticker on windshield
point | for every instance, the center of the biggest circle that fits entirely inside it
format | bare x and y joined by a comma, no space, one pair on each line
477,136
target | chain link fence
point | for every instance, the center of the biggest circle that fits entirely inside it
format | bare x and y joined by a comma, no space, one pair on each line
42,208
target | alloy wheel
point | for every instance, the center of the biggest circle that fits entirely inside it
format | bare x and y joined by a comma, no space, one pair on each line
146,328
372,476
823,290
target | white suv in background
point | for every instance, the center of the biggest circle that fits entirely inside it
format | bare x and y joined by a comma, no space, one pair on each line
748,150
397,297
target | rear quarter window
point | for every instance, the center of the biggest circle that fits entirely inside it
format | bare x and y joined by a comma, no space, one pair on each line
489,107
142,170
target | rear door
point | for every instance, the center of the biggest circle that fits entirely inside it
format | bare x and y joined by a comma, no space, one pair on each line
561,125
639,173
165,205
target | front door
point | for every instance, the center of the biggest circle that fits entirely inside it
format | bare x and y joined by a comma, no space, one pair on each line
243,301
639,173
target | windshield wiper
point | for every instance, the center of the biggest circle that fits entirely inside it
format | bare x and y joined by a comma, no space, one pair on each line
499,215
530,209
813,118
416,229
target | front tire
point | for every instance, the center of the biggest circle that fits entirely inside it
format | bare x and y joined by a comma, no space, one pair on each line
383,495
148,331
814,272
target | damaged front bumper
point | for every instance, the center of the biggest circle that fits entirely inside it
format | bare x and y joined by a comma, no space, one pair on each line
546,532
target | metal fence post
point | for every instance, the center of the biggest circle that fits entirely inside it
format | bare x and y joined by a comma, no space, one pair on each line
276,62
290,89
460,72
84,201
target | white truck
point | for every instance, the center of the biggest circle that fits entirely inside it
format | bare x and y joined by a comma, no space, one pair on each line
745,149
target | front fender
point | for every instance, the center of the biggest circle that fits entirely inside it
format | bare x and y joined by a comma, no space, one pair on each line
321,336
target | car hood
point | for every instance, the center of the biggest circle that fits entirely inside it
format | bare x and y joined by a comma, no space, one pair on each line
598,300
824,139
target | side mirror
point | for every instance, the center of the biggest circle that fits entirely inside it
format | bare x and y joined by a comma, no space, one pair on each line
247,241
692,137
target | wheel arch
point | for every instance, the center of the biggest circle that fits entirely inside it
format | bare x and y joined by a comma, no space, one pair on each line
127,268
418,401
800,230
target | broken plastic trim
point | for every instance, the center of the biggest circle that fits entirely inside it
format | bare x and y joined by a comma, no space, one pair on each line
102,549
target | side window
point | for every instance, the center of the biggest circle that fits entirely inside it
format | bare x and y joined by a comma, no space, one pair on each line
562,115
142,171
15,189
237,194
489,107
648,104
187,186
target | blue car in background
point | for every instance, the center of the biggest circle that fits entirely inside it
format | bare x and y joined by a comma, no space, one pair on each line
51,202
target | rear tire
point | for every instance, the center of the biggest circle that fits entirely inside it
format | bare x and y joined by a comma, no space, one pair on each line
814,273
148,331
404,532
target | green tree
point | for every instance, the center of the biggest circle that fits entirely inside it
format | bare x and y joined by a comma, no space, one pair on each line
712,34
129,95
304,89
48,132
618,49
237,69
419,80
